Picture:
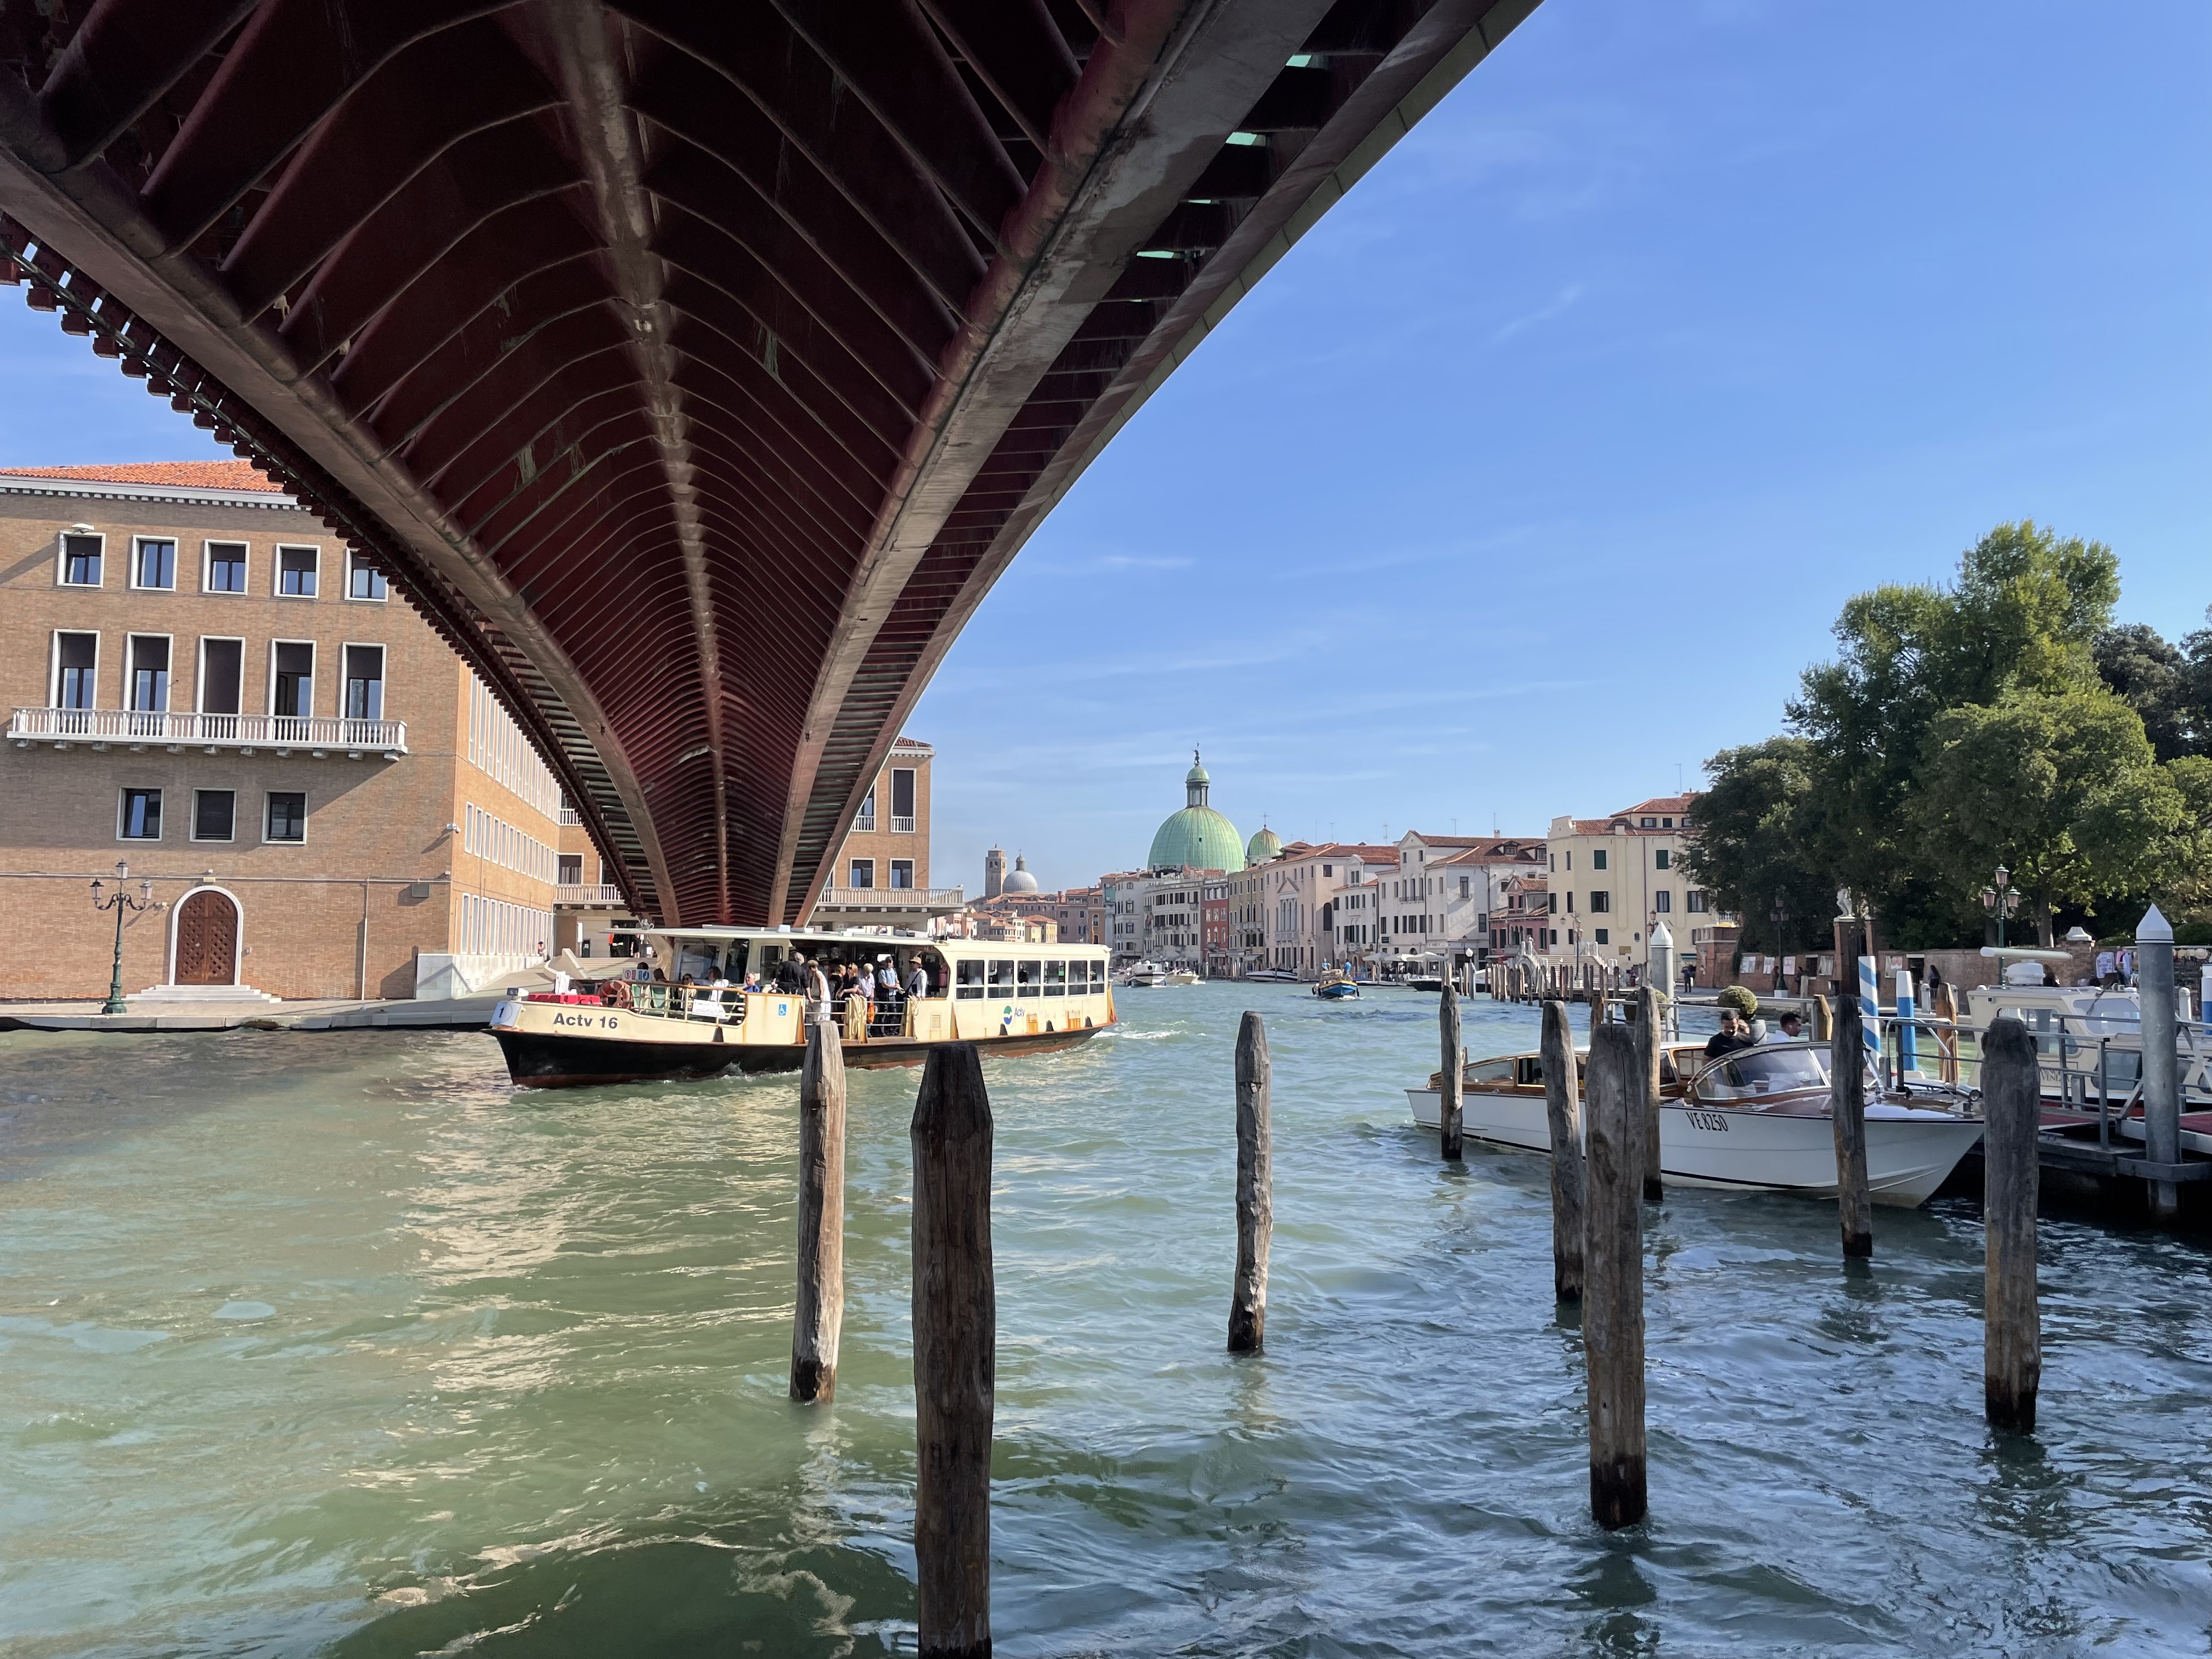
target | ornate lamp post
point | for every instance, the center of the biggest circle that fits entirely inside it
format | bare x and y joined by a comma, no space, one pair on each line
2001,900
1778,913
121,902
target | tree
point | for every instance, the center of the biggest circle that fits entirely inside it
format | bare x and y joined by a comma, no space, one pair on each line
2150,676
2023,616
1746,852
2062,788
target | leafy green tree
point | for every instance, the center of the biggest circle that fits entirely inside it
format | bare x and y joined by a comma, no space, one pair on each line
2062,788
2023,616
2152,677
2187,876
1748,852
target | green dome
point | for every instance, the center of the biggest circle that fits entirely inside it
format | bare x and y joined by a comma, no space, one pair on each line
1198,836
1264,845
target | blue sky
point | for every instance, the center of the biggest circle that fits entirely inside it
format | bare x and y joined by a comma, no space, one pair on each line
1543,464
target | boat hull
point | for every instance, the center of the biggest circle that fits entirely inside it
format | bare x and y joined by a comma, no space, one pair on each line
1909,1151
549,1059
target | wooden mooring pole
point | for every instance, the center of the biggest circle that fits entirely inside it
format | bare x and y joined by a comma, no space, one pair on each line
1256,1198
1613,1290
1650,1016
820,1315
954,1350
2012,1332
1847,1097
1454,1076
1564,1116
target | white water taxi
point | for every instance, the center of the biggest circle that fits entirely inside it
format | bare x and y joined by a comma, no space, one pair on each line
1757,1118
1005,998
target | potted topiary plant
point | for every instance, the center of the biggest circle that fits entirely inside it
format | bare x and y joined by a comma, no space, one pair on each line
1739,998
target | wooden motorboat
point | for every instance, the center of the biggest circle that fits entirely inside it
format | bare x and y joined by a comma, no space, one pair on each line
1336,987
1754,1119
1005,998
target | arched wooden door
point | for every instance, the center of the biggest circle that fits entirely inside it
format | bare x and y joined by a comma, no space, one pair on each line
207,939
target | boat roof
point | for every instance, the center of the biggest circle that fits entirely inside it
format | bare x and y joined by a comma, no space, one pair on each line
716,933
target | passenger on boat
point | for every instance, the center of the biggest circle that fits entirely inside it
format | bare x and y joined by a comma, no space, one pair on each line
1730,1038
817,990
917,979
1792,1026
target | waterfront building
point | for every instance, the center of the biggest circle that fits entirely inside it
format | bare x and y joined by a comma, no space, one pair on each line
205,682
1213,926
994,872
1118,899
1440,899
1300,901
1522,919
881,873
1613,878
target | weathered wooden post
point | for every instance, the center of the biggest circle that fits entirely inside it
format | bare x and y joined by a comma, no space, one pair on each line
1256,1198
1454,1076
1613,1290
2012,1334
1564,1116
821,1311
1847,1065
2162,1057
1650,1016
955,1346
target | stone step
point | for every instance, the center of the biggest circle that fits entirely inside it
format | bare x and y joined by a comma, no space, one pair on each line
200,993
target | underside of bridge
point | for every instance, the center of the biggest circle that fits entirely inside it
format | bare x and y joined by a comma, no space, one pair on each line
695,365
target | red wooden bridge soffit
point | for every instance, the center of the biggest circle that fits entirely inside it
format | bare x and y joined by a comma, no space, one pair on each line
695,365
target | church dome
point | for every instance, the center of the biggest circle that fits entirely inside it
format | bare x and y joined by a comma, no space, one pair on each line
1264,845
1197,836
1021,881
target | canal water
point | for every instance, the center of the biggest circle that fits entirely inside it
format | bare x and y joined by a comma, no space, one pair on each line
333,1344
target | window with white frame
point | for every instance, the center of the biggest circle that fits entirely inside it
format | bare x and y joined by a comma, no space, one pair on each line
287,819
76,670
139,816
214,814
364,682
222,675
863,873
154,563
297,570
225,570
81,560
363,580
292,678
147,686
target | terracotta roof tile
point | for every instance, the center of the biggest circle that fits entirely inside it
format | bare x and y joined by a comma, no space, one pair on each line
177,475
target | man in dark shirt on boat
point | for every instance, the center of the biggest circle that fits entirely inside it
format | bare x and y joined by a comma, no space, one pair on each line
1730,1038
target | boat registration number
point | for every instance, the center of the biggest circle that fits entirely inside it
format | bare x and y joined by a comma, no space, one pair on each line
1716,1122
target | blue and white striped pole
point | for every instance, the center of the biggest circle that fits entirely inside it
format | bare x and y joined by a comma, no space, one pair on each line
1908,1050
1870,1011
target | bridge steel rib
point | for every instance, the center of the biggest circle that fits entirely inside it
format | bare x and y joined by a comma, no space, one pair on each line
693,367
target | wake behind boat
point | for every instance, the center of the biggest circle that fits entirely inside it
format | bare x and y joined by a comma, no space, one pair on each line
1757,1119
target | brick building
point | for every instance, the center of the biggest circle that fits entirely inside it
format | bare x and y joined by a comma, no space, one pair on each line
202,683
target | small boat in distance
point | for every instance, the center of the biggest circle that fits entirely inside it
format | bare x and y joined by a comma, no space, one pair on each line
1757,1119
1273,976
1334,986
1143,975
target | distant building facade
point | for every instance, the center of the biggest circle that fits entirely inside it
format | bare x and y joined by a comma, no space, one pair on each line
203,681
880,877
1612,878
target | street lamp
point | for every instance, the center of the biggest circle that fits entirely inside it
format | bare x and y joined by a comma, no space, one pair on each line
120,901
1778,913
2001,900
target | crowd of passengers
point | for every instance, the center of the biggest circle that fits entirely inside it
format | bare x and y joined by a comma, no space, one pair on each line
866,989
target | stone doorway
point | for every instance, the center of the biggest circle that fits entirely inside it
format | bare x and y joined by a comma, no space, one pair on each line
207,939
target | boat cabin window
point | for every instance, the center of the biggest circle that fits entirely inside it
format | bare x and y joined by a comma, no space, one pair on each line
1529,1069
1029,976
1490,1071
970,985
1055,978
1002,980
1097,978
1771,1072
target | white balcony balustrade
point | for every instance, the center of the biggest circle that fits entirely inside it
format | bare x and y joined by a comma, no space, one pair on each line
589,895
891,898
246,734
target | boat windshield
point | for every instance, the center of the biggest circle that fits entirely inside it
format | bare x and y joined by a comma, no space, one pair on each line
1754,1072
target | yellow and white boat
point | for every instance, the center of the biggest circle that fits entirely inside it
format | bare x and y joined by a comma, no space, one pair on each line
1005,998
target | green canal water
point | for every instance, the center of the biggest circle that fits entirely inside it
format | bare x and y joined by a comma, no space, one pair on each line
334,1344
